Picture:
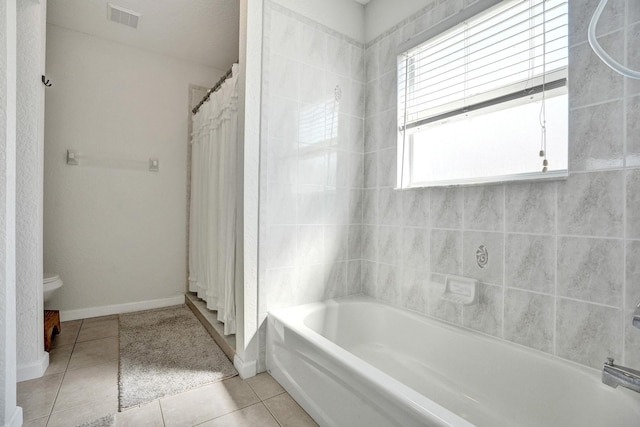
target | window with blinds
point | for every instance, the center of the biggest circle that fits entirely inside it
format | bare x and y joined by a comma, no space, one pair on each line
485,100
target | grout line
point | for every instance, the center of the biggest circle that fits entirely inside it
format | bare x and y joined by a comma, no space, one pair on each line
164,422
64,374
554,347
625,102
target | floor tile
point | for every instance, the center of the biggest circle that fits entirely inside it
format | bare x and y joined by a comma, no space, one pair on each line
254,415
40,422
83,414
96,352
85,385
59,359
36,397
97,328
265,386
148,415
208,402
287,412
68,333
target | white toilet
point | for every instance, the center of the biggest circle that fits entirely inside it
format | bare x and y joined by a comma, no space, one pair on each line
50,284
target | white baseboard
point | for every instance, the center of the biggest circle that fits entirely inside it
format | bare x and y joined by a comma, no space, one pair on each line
33,370
105,310
245,369
16,418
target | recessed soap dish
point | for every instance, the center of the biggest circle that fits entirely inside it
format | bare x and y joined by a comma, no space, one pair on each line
461,290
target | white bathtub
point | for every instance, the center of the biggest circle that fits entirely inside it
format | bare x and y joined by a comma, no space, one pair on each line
357,362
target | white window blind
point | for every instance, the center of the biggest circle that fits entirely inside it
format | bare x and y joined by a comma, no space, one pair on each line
509,55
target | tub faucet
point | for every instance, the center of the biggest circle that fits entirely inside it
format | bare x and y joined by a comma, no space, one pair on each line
636,316
615,375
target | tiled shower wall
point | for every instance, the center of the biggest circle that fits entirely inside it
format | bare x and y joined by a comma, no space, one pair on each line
311,161
564,257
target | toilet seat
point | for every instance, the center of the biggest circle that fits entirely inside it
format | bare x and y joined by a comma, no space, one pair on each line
50,277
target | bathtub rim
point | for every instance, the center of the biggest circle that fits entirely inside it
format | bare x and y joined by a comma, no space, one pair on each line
293,318
391,387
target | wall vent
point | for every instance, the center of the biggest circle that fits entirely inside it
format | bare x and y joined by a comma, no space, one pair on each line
123,16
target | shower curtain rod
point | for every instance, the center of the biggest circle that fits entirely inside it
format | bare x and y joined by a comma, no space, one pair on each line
213,89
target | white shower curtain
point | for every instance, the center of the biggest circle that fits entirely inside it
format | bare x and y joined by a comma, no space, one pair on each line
212,228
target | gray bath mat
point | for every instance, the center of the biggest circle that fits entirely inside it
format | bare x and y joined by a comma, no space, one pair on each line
165,352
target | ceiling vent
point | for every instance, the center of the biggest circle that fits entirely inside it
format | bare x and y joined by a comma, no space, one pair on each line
123,16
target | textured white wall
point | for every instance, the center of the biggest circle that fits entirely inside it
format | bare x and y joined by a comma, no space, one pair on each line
10,415
345,17
114,233
32,359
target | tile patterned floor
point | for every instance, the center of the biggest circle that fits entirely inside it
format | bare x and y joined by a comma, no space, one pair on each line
81,385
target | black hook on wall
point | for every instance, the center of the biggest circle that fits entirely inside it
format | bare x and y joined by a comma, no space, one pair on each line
45,82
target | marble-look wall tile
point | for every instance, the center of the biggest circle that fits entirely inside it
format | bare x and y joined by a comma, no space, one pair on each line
388,287
580,13
356,132
596,137
490,268
446,251
415,249
311,283
355,206
281,247
372,100
370,206
281,204
310,245
389,206
286,33
338,56
530,262
531,207
387,53
356,170
598,82
370,243
282,156
631,343
336,239
369,278
388,129
633,132
632,276
389,248
387,168
591,204
354,241
335,280
528,319
591,269
446,206
436,306
633,14
588,333
281,287
486,315
633,56
414,290
354,277
633,204
415,207
484,207
311,206
357,64
371,170
371,62
284,119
